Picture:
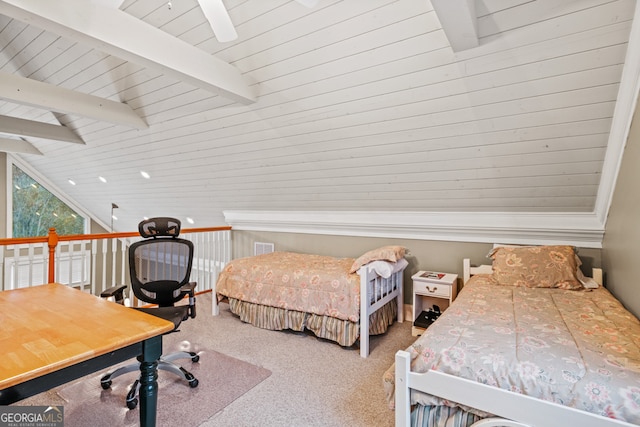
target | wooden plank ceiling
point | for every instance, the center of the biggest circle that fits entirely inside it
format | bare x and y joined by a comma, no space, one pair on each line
360,105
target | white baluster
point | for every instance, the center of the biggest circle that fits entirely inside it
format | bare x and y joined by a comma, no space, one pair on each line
114,250
103,247
2,285
15,280
30,255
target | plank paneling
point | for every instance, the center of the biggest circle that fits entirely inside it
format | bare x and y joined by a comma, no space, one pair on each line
361,105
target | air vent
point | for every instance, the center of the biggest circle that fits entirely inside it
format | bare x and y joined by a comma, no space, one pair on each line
260,248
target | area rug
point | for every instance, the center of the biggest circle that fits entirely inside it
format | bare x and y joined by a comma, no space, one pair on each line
222,379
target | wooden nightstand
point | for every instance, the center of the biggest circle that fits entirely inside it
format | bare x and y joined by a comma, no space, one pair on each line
431,288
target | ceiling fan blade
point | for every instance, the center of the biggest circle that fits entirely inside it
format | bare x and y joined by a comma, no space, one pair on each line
217,15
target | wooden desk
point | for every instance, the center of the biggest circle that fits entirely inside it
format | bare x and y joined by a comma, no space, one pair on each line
52,334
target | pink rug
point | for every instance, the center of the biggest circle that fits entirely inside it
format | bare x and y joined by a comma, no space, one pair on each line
222,379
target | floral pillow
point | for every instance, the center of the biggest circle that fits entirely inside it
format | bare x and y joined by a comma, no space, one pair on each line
536,266
385,253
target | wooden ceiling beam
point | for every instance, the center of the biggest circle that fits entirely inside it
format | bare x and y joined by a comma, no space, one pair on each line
22,127
459,22
119,34
8,145
26,91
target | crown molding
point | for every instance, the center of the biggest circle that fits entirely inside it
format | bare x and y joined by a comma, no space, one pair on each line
578,229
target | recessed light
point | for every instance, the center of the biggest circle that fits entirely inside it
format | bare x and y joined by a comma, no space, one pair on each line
145,175
190,220
72,182
103,179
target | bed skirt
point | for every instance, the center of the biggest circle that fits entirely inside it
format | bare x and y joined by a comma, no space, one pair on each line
344,332
442,416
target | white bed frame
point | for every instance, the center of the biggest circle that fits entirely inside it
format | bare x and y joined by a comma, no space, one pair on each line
511,409
379,291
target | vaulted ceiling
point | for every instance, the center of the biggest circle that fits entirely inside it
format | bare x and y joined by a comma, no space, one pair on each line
356,105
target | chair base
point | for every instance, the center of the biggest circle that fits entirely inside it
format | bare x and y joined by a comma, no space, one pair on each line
164,363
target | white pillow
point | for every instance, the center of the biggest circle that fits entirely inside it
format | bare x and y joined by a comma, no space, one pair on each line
587,282
385,268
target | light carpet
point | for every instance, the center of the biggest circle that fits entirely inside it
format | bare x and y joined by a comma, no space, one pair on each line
222,379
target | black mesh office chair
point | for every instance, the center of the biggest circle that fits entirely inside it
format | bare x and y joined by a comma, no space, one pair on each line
159,267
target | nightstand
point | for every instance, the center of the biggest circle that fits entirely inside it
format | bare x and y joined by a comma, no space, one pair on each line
432,288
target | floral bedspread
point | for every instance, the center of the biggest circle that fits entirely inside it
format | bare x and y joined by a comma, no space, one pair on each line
579,348
308,283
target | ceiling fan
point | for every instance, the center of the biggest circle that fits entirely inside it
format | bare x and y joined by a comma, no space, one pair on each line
215,12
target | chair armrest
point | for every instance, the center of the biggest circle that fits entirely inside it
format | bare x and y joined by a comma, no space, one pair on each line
117,292
189,289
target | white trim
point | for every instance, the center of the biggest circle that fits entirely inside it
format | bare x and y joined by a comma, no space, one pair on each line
621,123
579,229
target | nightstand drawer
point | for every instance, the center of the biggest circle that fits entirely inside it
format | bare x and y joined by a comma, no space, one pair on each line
432,289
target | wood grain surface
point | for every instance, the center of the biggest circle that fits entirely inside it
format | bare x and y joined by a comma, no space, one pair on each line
49,327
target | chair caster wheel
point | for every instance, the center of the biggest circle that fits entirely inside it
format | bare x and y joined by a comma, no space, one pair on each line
193,381
131,404
195,358
105,383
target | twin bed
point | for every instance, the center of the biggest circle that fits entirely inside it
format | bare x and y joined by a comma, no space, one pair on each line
285,290
531,343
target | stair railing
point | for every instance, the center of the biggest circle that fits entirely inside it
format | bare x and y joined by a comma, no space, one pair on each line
95,262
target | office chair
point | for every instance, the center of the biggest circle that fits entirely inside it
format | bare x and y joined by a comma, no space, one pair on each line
159,268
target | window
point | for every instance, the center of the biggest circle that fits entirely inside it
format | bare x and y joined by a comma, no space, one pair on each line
36,209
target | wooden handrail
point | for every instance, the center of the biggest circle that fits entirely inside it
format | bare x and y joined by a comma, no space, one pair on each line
96,236
23,240
53,238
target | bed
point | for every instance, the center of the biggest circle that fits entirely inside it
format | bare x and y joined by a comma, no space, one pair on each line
528,342
286,290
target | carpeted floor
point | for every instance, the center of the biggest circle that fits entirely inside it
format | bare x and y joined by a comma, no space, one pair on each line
222,379
313,382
